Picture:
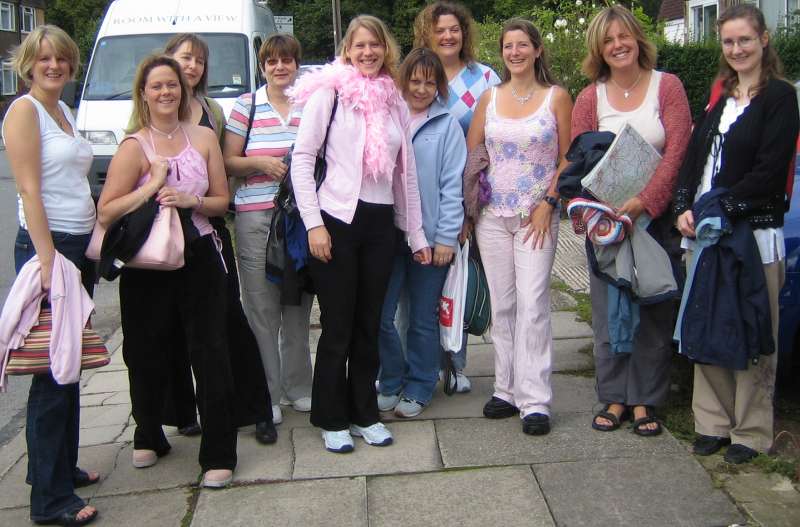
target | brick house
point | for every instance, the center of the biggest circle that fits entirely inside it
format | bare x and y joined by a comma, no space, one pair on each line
17,19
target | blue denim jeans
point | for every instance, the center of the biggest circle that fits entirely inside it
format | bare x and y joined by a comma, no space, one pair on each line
53,418
414,373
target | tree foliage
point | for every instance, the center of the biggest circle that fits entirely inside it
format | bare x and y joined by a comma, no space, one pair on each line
79,18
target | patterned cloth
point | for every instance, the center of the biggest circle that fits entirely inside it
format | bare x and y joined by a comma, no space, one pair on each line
598,221
522,158
465,90
269,136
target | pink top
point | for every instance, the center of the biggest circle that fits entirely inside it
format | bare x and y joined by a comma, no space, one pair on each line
523,155
673,111
188,173
338,195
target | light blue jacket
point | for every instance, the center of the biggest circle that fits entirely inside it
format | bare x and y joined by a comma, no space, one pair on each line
441,153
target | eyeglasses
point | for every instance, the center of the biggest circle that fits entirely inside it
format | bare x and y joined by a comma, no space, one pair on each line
743,42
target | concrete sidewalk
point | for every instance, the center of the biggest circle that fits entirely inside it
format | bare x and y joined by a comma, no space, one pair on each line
450,466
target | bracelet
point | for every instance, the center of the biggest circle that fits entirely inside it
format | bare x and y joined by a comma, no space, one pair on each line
199,201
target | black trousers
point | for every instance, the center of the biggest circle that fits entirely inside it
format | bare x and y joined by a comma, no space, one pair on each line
253,403
156,304
350,289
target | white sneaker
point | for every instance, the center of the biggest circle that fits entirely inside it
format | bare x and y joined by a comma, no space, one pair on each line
408,408
337,441
386,403
277,415
375,435
302,404
285,402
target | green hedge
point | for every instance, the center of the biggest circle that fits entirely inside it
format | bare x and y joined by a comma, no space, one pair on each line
697,64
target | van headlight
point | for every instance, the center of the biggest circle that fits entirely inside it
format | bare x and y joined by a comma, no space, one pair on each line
99,137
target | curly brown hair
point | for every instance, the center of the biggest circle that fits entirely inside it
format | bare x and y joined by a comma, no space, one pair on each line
425,24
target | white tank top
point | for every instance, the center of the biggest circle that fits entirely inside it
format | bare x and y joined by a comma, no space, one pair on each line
65,164
645,119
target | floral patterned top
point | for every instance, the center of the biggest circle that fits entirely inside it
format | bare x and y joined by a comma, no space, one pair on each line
523,155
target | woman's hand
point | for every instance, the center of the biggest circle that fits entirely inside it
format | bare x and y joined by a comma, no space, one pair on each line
423,256
466,230
633,208
47,274
686,224
319,244
170,197
272,166
159,170
442,255
538,224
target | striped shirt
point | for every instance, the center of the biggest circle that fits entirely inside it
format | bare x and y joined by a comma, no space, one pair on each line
270,135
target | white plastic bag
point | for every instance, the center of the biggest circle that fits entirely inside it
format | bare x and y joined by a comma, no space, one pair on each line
451,303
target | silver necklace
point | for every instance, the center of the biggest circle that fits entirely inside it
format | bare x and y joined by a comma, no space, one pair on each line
521,99
626,92
167,134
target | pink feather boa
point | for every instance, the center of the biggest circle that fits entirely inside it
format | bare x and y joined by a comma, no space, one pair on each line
373,96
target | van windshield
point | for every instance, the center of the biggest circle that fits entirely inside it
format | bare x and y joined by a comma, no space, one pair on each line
110,76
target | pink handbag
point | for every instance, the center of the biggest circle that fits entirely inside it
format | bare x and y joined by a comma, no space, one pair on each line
162,251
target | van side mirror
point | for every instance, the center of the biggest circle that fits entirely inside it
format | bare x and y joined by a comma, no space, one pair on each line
70,94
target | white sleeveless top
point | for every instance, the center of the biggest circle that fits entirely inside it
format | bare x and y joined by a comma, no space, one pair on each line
645,119
66,160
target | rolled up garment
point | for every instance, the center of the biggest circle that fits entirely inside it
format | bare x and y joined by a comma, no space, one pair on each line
601,224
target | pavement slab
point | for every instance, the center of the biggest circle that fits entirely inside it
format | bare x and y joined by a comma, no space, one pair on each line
487,442
642,493
507,496
95,399
122,397
566,325
414,450
570,394
97,416
257,462
18,516
318,503
101,382
11,452
100,435
567,355
770,499
167,508
178,468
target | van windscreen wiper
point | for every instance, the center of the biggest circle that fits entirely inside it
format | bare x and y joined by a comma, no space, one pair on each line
119,95
226,87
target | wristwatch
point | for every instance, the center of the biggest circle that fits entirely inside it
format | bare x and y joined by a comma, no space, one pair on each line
550,200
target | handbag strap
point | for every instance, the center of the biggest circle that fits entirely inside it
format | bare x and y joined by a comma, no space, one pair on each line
250,119
328,129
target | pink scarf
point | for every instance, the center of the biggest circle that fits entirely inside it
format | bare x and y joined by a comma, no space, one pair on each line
373,96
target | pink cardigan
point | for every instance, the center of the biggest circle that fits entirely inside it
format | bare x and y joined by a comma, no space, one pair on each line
71,306
673,109
338,195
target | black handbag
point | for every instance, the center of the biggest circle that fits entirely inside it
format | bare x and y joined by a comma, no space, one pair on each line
285,203
284,199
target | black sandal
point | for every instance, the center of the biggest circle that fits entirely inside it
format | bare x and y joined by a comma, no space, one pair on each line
81,478
605,414
70,518
650,417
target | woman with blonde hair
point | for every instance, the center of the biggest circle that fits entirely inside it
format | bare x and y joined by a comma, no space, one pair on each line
50,161
524,124
370,187
626,88
179,165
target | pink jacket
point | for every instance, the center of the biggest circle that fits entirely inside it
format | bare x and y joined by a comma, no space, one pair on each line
71,306
338,195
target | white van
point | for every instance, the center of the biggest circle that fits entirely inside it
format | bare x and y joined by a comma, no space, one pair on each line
132,29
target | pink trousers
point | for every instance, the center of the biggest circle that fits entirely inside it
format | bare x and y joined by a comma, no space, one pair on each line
519,285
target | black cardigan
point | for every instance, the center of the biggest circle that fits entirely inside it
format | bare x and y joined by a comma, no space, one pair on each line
756,153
